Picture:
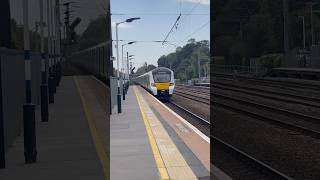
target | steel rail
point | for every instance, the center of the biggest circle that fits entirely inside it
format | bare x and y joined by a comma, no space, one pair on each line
266,167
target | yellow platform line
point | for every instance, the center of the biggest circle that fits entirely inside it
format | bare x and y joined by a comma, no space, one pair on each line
156,153
94,134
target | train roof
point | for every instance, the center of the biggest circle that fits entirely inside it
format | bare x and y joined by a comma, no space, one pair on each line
155,69
161,68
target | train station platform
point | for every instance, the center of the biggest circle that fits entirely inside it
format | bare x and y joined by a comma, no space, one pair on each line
150,141
71,144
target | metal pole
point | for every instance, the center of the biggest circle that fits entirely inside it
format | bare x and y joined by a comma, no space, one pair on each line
43,67
5,20
311,23
122,56
128,66
49,32
5,41
2,145
50,78
199,75
43,86
285,29
54,46
58,36
304,34
118,75
30,152
122,75
127,83
54,33
241,33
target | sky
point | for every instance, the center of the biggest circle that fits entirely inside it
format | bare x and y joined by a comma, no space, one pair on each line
157,18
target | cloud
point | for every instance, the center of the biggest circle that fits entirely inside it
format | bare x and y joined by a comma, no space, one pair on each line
204,2
122,25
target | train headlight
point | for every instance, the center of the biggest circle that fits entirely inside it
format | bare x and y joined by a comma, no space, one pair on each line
171,84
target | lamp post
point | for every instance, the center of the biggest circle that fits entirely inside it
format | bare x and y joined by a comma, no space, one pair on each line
131,63
127,84
123,71
118,75
129,58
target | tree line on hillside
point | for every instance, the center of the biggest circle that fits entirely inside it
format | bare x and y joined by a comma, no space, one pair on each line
184,61
252,28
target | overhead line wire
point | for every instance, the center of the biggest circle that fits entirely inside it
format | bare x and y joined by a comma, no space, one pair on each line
193,8
175,25
205,24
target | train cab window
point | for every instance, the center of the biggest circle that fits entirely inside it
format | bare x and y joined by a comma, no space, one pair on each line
161,76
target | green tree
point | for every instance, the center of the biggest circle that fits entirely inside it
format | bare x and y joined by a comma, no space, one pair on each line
145,68
184,61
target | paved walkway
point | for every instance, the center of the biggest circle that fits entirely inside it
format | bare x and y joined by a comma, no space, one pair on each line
130,151
65,146
144,146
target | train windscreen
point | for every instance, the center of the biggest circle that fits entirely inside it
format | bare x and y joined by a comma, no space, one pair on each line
161,76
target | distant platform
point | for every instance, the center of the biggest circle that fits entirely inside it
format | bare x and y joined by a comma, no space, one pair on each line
296,73
202,84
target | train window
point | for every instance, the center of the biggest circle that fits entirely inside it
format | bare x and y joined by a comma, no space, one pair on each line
162,76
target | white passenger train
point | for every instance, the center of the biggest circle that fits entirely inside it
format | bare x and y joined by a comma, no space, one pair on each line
159,82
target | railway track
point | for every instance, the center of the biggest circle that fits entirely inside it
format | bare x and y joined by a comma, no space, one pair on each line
290,122
272,82
258,169
205,99
308,125
193,89
269,94
200,123
242,165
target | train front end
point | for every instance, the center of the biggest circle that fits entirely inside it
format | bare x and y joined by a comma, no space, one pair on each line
162,83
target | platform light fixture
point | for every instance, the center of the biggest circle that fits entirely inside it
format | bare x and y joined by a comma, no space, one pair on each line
123,71
117,45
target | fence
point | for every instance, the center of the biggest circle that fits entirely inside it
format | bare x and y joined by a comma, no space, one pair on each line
238,69
13,90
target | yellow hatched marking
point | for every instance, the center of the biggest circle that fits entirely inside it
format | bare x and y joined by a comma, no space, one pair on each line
168,153
95,135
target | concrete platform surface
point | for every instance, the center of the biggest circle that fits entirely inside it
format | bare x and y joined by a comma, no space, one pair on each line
65,146
145,146
130,152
